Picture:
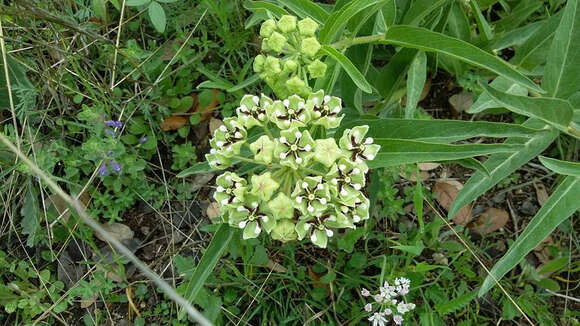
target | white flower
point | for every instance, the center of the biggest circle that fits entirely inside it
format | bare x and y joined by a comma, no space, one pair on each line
365,293
388,291
378,319
379,298
398,319
368,307
402,285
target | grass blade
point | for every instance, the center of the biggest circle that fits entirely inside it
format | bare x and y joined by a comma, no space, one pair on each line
561,204
218,244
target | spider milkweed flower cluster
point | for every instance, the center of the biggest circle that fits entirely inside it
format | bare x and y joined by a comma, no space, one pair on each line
309,186
388,303
291,54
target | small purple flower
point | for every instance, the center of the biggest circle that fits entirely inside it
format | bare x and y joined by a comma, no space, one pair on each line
116,167
111,132
114,124
142,140
103,170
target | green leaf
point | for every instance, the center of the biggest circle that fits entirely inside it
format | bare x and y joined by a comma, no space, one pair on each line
559,206
135,3
471,163
420,9
515,37
554,111
30,215
336,22
533,51
306,8
502,165
518,15
202,167
414,250
426,40
455,304
392,74
256,5
438,131
389,12
562,72
458,24
482,24
484,101
415,82
399,151
561,167
250,81
204,268
100,9
349,68
157,15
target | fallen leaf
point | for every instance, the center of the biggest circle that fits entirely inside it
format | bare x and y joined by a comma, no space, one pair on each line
542,250
541,193
214,124
117,230
490,221
206,108
461,102
61,207
428,166
213,210
445,192
85,303
315,278
173,122
413,176
106,261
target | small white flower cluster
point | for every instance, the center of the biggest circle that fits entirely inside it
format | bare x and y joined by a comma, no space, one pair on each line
389,302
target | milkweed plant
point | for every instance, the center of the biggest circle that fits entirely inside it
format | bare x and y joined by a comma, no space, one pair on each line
310,184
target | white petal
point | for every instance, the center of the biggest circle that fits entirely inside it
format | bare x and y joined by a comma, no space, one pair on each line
283,155
223,128
369,140
300,105
228,177
283,139
344,192
307,148
238,134
220,189
355,171
334,181
299,199
298,160
342,167
255,204
310,209
261,116
313,237
329,233
336,109
258,229
256,99
225,201
213,150
242,224
356,186
326,99
286,102
370,157
298,135
304,185
265,218
356,218
317,114
319,186
241,208
219,143
322,201
238,185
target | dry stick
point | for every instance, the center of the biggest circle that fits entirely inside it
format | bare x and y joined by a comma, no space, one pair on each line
117,45
8,87
165,287
481,263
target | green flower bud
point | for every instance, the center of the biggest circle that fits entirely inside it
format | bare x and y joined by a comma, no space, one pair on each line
290,65
295,85
282,207
230,189
276,42
272,66
307,27
311,196
259,63
287,23
325,109
267,28
326,151
310,46
284,231
294,148
264,186
263,149
359,149
317,69
265,46
289,113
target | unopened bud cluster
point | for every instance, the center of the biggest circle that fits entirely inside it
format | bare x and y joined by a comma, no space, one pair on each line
307,187
291,55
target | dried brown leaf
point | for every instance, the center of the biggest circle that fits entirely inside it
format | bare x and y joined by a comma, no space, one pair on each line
428,166
214,124
445,192
119,231
541,193
213,210
173,122
490,221
461,102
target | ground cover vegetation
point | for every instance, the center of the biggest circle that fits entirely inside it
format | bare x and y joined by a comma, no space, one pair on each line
289,162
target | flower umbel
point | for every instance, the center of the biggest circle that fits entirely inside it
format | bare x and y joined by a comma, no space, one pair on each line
389,301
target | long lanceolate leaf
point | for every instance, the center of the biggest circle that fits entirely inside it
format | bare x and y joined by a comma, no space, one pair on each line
556,112
306,8
561,204
398,151
438,131
335,24
218,244
502,165
426,40
562,73
356,76
561,167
